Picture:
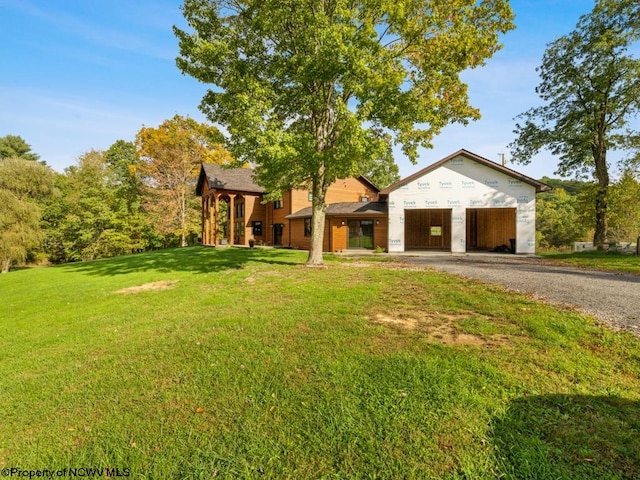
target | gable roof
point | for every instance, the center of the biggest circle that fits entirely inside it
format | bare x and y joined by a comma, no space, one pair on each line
369,183
220,178
539,186
346,208
241,179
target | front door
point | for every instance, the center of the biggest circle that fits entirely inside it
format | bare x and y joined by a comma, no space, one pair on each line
278,229
361,234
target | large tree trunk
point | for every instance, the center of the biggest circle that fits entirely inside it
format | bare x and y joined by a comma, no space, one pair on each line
602,174
600,233
6,265
318,211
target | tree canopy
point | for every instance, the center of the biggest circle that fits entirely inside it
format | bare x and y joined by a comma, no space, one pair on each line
16,146
170,158
590,88
312,91
22,184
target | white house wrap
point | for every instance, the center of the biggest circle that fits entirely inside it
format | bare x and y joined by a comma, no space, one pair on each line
463,203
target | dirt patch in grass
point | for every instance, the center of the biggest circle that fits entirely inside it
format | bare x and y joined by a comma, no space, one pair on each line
153,286
442,329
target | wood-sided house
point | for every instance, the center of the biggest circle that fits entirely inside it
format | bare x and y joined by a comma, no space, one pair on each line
461,203
234,211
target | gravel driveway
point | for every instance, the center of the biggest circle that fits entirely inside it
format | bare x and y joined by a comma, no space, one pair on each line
611,297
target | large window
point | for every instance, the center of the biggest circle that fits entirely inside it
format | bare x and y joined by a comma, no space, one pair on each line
361,234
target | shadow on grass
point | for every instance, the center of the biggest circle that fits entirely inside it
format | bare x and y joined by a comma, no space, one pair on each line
569,437
186,259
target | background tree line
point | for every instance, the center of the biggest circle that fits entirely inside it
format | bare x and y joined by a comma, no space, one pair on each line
132,197
566,214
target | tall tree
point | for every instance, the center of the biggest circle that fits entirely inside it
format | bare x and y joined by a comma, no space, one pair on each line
591,89
15,146
23,183
92,219
311,91
171,155
124,162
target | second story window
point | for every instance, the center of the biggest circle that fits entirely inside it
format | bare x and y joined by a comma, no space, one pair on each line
277,204
310,197
239,210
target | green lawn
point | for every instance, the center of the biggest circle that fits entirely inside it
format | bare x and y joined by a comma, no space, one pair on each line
236,363
604,260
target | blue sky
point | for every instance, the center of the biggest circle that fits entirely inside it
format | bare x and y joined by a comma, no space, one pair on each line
80,74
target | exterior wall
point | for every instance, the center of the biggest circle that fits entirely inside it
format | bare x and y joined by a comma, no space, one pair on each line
349,190
336,234
459,184
381,234
276,216
339,233
255,211
343,190
298,240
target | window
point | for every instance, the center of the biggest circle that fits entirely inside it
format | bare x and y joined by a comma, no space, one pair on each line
238,233
310,197
257,228
239,210
277,204
307,227
364,199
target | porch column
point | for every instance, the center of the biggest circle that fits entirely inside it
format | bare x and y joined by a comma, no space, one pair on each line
203,219
212,225
216,222
232,207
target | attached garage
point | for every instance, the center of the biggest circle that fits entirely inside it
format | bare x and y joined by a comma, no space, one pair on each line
463,203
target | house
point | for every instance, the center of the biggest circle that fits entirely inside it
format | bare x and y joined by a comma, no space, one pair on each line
463,203
234,211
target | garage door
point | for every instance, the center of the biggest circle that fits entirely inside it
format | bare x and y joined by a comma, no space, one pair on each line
488,228
427,229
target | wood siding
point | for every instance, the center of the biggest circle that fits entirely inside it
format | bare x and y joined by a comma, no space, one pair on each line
298,240
345,190
427,229
336,235
488,228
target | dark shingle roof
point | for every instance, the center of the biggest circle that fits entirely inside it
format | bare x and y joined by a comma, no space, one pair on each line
219,178
347,208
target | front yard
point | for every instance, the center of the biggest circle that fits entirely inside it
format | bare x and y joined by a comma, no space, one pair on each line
237,363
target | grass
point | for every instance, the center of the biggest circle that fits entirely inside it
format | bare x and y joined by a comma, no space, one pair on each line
604,260
230,363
